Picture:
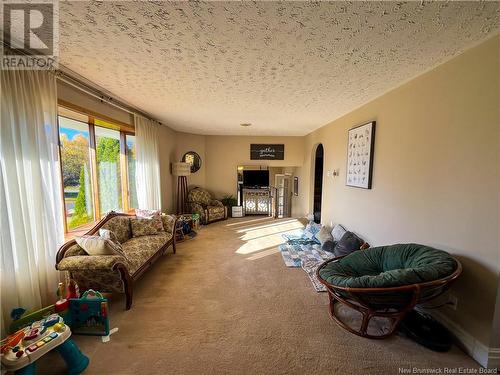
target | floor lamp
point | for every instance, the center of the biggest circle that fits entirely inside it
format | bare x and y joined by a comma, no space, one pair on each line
181,170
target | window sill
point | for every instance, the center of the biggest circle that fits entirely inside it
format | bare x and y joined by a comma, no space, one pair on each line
80,231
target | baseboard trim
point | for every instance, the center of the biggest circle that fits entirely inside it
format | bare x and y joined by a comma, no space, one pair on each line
482,354
494,358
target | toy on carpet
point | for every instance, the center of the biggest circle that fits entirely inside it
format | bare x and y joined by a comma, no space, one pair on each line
21,350
37,333
89,314
61,307
66,291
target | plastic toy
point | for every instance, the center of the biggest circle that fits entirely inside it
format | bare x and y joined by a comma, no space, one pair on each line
73,290
89,314
62,305
22,349
61,291
16,313
22,321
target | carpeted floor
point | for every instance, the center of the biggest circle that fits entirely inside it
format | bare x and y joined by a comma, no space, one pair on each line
226,304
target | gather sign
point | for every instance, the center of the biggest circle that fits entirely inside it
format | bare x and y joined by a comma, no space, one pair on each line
267,152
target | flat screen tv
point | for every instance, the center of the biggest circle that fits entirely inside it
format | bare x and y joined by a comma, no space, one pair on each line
255,178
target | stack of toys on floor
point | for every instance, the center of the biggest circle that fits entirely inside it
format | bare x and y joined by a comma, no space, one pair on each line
35,334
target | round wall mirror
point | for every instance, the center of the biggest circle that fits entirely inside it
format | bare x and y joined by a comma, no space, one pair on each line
194,159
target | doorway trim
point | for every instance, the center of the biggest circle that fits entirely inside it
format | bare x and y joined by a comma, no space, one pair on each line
317,191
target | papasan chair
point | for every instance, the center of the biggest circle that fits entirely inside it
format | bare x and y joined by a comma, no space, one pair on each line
386,282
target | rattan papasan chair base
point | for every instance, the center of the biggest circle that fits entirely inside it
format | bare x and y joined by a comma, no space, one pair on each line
386,282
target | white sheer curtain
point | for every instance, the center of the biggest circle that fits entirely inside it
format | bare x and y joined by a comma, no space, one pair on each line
30,193
147,164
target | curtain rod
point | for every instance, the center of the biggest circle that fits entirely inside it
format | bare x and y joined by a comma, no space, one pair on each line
98,94
66,75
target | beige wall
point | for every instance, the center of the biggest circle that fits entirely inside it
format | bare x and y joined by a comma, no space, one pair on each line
167,143
436,174
225,153
221,155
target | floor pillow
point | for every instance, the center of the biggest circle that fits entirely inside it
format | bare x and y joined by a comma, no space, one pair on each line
311,230
325,239
347,244
337,232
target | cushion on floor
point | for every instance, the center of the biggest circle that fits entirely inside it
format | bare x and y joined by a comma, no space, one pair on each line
347,244
311,230
388,266
325,238
337,232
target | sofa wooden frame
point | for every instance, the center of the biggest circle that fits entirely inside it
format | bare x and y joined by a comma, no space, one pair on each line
357,298
127,279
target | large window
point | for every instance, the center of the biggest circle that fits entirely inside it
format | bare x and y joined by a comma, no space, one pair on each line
98,168
108,169
76,173
132,196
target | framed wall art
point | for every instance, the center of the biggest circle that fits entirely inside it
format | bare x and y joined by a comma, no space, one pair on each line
267,152
193,159
360,146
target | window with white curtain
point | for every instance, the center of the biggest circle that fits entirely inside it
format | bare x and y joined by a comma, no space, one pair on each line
131,163
109,179
98,168
74,139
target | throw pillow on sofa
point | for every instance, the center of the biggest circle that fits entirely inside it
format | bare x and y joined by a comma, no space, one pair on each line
347,244
143,227
155,215
167,221
325,239
110,235
96,245
311,230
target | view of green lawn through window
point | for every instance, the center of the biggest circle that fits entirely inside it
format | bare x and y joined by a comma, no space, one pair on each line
74,138
77,172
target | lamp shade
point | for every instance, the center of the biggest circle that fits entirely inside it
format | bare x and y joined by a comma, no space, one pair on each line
181,169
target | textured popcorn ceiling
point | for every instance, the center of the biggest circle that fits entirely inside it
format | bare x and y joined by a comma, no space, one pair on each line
287,68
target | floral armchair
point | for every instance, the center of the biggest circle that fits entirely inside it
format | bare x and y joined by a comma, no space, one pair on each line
200,201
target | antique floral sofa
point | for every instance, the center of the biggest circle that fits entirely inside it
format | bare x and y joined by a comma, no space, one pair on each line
200,201
116,273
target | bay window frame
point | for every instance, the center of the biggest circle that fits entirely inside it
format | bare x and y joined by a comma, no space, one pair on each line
124,129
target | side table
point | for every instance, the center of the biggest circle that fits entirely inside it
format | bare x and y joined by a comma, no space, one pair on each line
191,221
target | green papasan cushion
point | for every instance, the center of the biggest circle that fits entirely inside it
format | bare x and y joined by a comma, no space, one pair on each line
389,266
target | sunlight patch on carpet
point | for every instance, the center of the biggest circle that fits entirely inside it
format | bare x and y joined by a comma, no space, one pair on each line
267,236
272,224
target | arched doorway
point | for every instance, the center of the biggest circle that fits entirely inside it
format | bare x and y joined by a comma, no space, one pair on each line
318,183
